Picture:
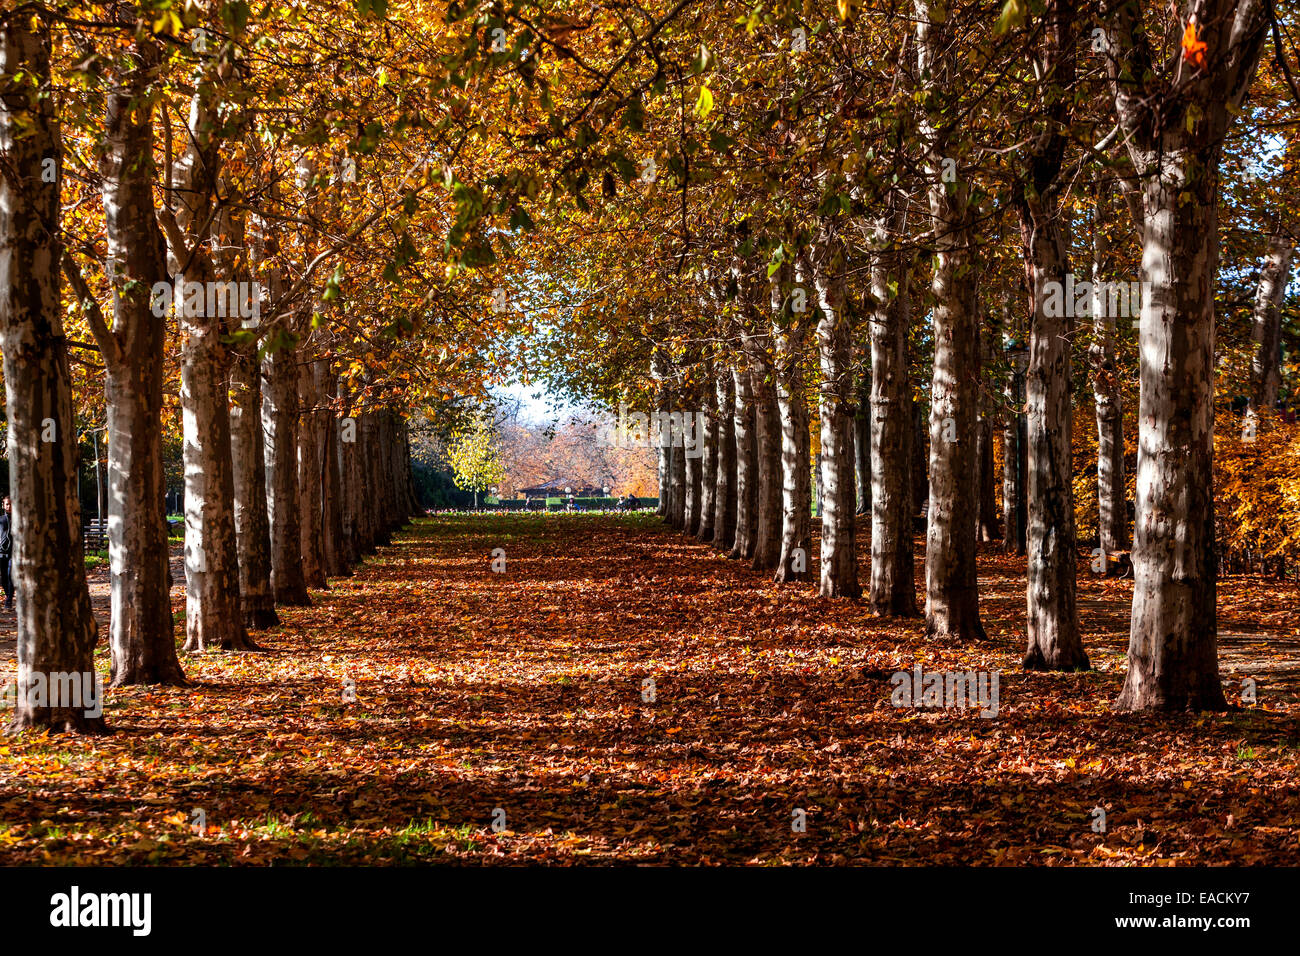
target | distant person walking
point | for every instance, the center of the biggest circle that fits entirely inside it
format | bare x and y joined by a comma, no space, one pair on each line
6,553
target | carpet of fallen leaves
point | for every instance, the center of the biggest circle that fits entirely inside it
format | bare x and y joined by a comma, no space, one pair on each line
523,692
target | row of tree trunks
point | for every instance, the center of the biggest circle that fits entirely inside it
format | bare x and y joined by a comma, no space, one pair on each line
229,463
750,490
370,453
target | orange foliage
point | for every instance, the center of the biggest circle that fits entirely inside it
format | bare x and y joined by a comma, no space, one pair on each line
1257,488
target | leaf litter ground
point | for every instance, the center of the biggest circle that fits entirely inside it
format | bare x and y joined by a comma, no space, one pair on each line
524,693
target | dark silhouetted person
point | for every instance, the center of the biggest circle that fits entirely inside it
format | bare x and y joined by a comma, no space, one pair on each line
7,553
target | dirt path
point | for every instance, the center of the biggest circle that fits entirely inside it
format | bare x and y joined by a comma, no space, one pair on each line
529,693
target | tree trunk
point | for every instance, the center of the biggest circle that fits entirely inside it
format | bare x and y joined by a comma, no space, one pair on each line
693,484
816,479
311,488
746,464
664,463
213,615
862,444
920,460
1014,467
839,557
1174,137
1053,622
1173,646
708,436
280,433
349,477
56,630
788,334
767,441
724,491
678,484
337,563
142,635
952,594
252,526
1112,510
659,372
364,501
986,488
1054,641
893,589
1266,324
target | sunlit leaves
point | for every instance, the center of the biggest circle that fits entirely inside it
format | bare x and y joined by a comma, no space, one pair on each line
704,104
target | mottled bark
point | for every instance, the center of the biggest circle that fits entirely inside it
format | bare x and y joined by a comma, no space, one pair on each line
1266,322
952,595
708,435
862,444
252,525
839,559
311,441
1173,641
349,480
1173,645
56,630
789,333
694,474
767,443
337,562
677,482
746,464
724,486
142,634
1112,510
1054,641
213,615
893,588
986,481
1014,466
280,441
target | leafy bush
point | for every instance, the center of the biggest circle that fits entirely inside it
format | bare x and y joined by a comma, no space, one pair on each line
1257,491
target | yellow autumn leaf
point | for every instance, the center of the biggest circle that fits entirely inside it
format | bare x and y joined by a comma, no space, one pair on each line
704,105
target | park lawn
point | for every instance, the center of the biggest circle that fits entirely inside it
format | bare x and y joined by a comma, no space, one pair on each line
521,698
